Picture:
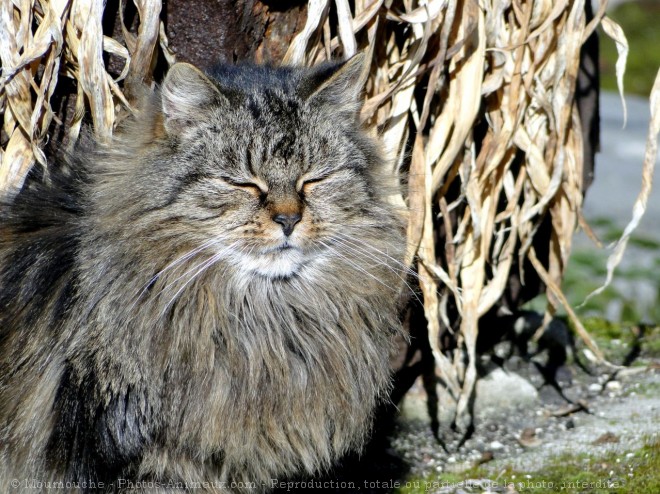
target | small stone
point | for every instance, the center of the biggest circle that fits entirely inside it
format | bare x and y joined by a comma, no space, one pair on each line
613,385
495,445
503,349
486,456
501,391
528,438
595,388
608,437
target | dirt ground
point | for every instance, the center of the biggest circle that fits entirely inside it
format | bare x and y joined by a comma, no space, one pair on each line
607,414
528,425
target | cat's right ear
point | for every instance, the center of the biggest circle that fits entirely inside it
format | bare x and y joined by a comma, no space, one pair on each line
337,85
186,96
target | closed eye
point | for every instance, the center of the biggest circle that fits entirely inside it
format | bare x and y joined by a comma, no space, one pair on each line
256,187
304,181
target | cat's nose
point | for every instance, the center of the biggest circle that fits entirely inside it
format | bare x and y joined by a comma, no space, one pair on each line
288,221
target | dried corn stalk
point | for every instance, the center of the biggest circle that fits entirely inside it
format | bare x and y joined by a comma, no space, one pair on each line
442,70
474,101
41,41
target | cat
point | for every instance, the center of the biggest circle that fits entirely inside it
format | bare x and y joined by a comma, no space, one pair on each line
209,297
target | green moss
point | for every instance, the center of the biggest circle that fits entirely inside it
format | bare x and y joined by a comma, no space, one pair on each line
617,340
587,269
639,21
647,479
435,482
650,342
645,243
648,388
614,472
604,331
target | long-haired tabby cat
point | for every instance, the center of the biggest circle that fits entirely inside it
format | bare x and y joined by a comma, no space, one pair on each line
209,297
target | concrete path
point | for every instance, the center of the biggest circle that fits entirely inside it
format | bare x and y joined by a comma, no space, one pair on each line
618,179
619,166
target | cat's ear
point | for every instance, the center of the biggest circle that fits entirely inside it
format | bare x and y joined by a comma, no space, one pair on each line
186,96
339,85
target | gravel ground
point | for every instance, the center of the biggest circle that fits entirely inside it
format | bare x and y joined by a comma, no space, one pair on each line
607,414
617,415
620,414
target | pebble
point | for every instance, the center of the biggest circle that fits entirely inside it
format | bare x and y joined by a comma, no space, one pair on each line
497,438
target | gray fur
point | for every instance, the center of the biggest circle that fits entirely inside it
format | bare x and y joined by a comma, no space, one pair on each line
156,324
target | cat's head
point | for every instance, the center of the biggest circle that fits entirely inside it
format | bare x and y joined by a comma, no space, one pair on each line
270,168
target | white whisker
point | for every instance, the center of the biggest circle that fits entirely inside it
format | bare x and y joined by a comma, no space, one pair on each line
204,266
353,241
358,249
356,266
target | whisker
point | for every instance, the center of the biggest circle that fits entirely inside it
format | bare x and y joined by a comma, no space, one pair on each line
204,266
179,260
356,266
171,265
354,242
361,252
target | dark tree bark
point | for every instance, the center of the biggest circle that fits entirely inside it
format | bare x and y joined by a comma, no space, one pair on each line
205,32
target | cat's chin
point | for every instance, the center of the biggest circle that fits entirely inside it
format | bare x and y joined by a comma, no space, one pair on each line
278,264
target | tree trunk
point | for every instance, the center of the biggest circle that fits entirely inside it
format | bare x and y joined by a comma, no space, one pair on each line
205,32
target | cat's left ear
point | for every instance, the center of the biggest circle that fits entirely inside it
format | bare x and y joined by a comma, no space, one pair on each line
338,85
186,96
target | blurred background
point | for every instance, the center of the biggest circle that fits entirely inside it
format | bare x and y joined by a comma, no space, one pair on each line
634,296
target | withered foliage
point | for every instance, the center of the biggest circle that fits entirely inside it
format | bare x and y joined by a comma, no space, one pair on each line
473,100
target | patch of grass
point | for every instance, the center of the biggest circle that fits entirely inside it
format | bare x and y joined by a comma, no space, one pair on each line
604,331
587,270
614,339
648,388
586,260
635,472
650,342
608,232
639,21
435,482
617,340
645,243
614,472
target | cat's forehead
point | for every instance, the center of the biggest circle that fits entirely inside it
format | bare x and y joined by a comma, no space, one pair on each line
274,144
284,156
